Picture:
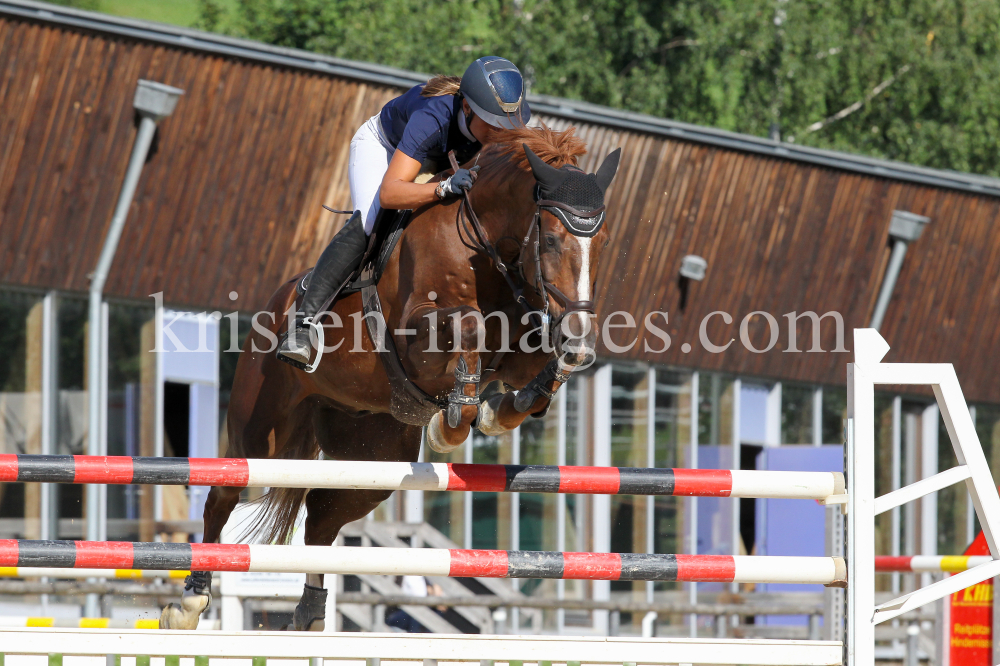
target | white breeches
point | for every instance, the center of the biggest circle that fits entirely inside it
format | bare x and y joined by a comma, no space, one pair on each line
370,156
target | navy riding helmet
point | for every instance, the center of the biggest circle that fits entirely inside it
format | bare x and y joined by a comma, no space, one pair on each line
494,89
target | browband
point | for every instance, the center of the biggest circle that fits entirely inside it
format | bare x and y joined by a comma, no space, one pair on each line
577,222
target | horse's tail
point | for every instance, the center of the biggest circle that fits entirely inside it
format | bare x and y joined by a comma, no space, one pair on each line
279,507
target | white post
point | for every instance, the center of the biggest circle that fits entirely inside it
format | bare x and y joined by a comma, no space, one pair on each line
515,526
561,501
896,463
48,528
693,501
650,462
817,425
970,510
467,498
860,471
928,467
330,582
102,432
602,503
897,469
772,421
414,499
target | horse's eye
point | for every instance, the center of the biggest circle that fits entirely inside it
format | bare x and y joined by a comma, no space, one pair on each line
550,242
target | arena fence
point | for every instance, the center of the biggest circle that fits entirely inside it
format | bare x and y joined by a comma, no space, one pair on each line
362,647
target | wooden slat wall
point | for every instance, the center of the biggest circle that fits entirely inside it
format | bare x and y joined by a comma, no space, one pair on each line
231,202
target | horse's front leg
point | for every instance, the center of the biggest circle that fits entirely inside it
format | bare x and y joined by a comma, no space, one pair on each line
506,411
448,342
575,342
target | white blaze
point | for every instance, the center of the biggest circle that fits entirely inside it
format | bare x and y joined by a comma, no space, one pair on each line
583,283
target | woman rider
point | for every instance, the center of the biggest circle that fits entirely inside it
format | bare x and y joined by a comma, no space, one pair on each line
387,154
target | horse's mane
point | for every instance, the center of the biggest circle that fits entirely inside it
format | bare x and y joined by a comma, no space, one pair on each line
555,147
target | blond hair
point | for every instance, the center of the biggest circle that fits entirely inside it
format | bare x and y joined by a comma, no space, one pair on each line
442,85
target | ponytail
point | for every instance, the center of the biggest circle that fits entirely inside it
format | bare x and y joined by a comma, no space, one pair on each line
442,85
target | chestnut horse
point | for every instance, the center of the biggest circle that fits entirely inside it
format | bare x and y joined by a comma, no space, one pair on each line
524,245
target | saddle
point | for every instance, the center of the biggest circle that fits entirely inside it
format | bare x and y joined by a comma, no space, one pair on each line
408,403
388,228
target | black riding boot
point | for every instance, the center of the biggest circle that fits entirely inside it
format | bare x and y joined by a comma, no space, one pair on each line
335,266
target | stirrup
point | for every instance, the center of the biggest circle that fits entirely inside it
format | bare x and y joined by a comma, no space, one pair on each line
307,367
457,398
321,343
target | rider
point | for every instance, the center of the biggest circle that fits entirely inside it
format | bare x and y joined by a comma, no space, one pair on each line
389,151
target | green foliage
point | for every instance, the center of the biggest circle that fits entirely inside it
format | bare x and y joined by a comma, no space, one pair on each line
92,5
924,74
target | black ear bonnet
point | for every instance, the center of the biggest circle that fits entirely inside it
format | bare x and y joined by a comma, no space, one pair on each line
577,189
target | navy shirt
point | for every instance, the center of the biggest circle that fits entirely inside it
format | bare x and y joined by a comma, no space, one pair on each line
426,128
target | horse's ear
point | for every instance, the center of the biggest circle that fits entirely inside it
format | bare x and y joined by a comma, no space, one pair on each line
608,169
546,174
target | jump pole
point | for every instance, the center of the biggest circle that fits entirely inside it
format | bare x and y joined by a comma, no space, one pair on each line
929,563
423,562
80,574
883,564
265,473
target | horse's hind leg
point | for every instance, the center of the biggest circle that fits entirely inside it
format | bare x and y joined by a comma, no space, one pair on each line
252,423
375,437
329,510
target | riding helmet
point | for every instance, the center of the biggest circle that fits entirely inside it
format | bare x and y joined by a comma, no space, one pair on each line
494,89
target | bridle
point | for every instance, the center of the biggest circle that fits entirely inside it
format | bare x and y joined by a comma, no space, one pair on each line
543,287
479,241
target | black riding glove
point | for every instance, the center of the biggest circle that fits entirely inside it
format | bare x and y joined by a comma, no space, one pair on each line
460,182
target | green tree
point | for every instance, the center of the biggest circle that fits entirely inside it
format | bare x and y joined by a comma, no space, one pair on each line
911,80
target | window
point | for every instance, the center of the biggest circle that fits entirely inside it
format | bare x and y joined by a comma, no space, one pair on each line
20,406
797,414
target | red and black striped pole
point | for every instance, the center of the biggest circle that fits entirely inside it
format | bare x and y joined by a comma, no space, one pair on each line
422,562
240,473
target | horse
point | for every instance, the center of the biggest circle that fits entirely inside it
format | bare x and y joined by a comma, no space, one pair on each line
522,246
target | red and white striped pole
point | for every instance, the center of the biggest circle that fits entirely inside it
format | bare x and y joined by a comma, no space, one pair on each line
423,562
264,473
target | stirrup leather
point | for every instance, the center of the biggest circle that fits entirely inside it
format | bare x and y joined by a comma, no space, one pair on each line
457,398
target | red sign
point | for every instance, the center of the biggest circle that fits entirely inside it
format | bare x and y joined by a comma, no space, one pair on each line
971,618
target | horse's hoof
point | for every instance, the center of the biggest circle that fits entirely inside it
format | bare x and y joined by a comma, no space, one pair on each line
186,614
488,416
435,435
310,613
